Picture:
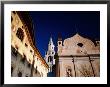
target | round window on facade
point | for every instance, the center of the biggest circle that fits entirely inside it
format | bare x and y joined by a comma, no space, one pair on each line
80,44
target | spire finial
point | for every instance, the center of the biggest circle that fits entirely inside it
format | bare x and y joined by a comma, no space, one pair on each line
51,42
50,39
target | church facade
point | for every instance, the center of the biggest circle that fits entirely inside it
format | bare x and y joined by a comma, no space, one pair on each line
78,57
26,60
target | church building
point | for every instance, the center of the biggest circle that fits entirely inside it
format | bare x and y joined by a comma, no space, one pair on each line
26,60
78,57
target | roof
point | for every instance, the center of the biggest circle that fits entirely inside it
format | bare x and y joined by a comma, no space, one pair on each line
27,21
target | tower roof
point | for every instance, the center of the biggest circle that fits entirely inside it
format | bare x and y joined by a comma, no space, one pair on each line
59,37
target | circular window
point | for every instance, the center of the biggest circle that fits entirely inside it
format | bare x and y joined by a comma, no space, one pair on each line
80,44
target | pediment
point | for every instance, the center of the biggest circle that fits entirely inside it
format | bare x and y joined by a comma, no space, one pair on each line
78,41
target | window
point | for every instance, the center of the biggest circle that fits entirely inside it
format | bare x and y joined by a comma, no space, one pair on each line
20,34
31,51
59,43
22,27
49,59
35,71
24,55
23,60
29,60
19,74
80,44
29,65
26,45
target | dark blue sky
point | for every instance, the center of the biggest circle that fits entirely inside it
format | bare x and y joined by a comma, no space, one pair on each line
67,23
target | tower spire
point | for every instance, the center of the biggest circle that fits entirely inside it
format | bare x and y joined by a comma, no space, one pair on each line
50,55
59,37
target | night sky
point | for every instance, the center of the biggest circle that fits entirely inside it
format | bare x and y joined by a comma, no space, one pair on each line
67,23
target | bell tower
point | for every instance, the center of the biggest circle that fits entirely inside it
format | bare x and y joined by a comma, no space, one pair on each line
59,44
49,56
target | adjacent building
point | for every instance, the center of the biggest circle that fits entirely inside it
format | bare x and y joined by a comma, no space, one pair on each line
78,57
26,60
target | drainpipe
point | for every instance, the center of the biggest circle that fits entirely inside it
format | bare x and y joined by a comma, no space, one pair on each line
73,65
91,65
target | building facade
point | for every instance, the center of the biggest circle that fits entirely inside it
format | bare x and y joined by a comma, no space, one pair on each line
78,57
26,61
49,56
